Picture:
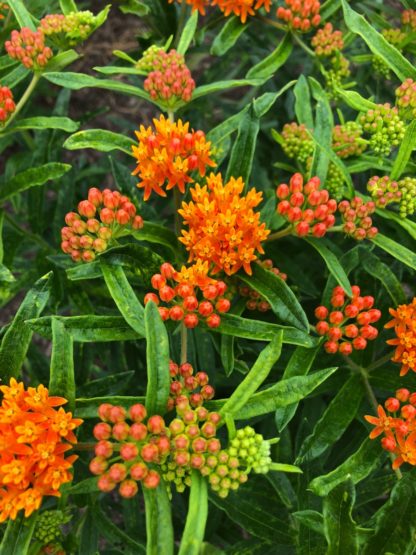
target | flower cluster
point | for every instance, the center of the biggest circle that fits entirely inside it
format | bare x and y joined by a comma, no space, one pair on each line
346,140
70,29
300,15
348,325
187,386
252,450
407,187
326,42
296,142
34,437
197,5
338,71
356,215
167,154
406,99
85,235
146,62
255,300
191,296
307,207
409,19
223,230
241,8
398,426
7,105
404,318
29,48
384,190
170,80
385,128
334,181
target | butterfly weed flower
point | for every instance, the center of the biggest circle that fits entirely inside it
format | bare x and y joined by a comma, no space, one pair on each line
241,8
347,140
409,20
300,15
385,128
403,322
296,142
223,227
167,154
70,29
197,5
356,217
326,42
29,48
150,55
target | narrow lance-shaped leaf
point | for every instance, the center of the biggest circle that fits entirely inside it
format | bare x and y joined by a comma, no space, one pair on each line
267,67
219,86
68,6
17,338
188,33
401,253
32,177
41,122
355,101
18,535
258,373
62,379
22,14
159,529
101,140
228,36
157,359
376,268
193,534
407,146
242,154
303,107
339,526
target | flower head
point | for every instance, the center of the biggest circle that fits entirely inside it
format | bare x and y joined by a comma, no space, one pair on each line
241,8
404,324
72,28
29,48
409,19
385,127
300,15
197,5
34,437
327,42
167,154
223,228
356,216
406,99
296,141
346,140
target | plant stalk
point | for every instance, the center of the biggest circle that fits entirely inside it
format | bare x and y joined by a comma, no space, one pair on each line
279,234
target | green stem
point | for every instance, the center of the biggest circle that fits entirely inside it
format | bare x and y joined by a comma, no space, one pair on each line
193,534
379,362
279,234
159,529
24,99
271,22
181,22
184,344
300,42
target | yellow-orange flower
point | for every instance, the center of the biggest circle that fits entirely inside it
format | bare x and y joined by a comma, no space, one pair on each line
33,439
404,323
223,229
241,8
199,5
167,154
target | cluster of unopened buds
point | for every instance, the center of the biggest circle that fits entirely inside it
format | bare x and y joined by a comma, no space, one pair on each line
251,449
184,300
337,324
384,190
397,423
255,300
409,19
188,386
307,207
356,215
29,48
48,531
406,99
170,79
100,219
347,141
7,105
77,26
337,73
407,186
146,62
301,15
385,128
296,142
326,41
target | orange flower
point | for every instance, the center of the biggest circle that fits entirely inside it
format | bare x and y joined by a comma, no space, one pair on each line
404,323
241,8
383,424
223,230
33,438
167,154
199,5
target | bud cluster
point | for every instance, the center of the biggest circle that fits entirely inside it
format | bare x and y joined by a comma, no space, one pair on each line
398,426
394,36
296,142
326,41
335,181
409,19
300,15
252,450
29,48
48,526
406,99
307,207
356,216
76,26
334,77
102,218
187,300
407,187
255,300
384,190
348,325
7,105
170,80
147,61
187,386
385,128
346,140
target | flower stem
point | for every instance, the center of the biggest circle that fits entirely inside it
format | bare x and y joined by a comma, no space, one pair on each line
379,362
24,99
184,344
300,42
279,234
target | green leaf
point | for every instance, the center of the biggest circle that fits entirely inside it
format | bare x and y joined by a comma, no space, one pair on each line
228,36
265,102
334,421
322,133
14,77
62,379
407,146
18,534
219,86
22,15
267,67
40,122
258,373
262,331
378,44
303,107
227,127
310,519
358,466
101,140
188,33
332,264
227,342
157,359
282,394
159,527
32,177
405,223
113,533
119,70
395,529
155,233
87,329
242,154
193,534
376,268
339,526
68,6
61,60
396,250
277,293
17,338
355,101
135,7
